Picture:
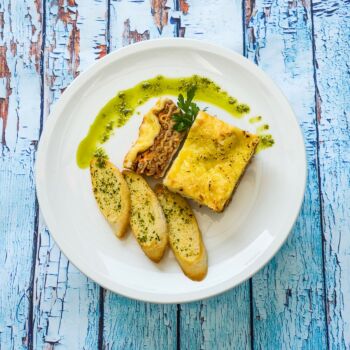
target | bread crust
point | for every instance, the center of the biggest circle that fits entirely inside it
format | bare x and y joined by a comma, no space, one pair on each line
185,237
147,220
112,194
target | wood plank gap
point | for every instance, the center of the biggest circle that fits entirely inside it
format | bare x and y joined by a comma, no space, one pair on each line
178,327
178,310
100,321
245,54
178,21
314,63
32,275
102,290
42,68
108,30
37,213
251,314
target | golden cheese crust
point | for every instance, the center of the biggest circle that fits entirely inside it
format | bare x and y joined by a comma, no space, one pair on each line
211,162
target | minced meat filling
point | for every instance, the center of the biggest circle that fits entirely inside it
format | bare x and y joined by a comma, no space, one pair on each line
155,160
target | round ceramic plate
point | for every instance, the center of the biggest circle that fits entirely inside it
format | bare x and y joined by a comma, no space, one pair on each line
239,241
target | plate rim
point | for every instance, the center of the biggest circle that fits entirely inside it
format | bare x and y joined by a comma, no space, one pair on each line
52,119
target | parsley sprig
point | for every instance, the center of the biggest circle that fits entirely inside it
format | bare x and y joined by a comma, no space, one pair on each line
188,111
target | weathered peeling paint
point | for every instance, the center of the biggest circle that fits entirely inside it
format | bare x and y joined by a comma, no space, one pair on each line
20,31
159,10
216,21
133,21
66,312
132,324
332,56
288,294
221,322
66,303
184,6
133,36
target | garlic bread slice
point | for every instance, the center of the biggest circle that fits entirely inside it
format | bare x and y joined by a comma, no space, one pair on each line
185,237
147,219
111,193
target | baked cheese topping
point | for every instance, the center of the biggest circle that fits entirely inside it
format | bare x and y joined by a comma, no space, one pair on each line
211,162
149,130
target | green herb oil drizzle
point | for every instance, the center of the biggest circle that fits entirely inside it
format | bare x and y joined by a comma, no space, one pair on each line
120,108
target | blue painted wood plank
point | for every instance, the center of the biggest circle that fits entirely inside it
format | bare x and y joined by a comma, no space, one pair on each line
288,294
20,43
129,324
215,21
222,322
133,21
66,302
332,56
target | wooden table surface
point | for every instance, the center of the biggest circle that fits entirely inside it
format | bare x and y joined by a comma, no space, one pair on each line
300,300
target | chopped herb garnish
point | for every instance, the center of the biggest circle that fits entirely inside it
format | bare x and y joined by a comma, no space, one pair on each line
188,111
242,108
101,157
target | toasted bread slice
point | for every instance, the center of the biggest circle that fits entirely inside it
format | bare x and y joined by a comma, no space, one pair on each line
112,194
147,219
184,235
157,142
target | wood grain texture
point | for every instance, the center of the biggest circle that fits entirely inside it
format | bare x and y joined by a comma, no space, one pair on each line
291,308
20,42
133,21
222,322
129,324
216,21
332,56
66,302
288,294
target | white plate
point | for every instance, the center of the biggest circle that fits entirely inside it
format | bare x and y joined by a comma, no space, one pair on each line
239,242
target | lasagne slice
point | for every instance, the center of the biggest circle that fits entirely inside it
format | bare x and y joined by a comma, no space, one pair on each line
157,142
211,162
